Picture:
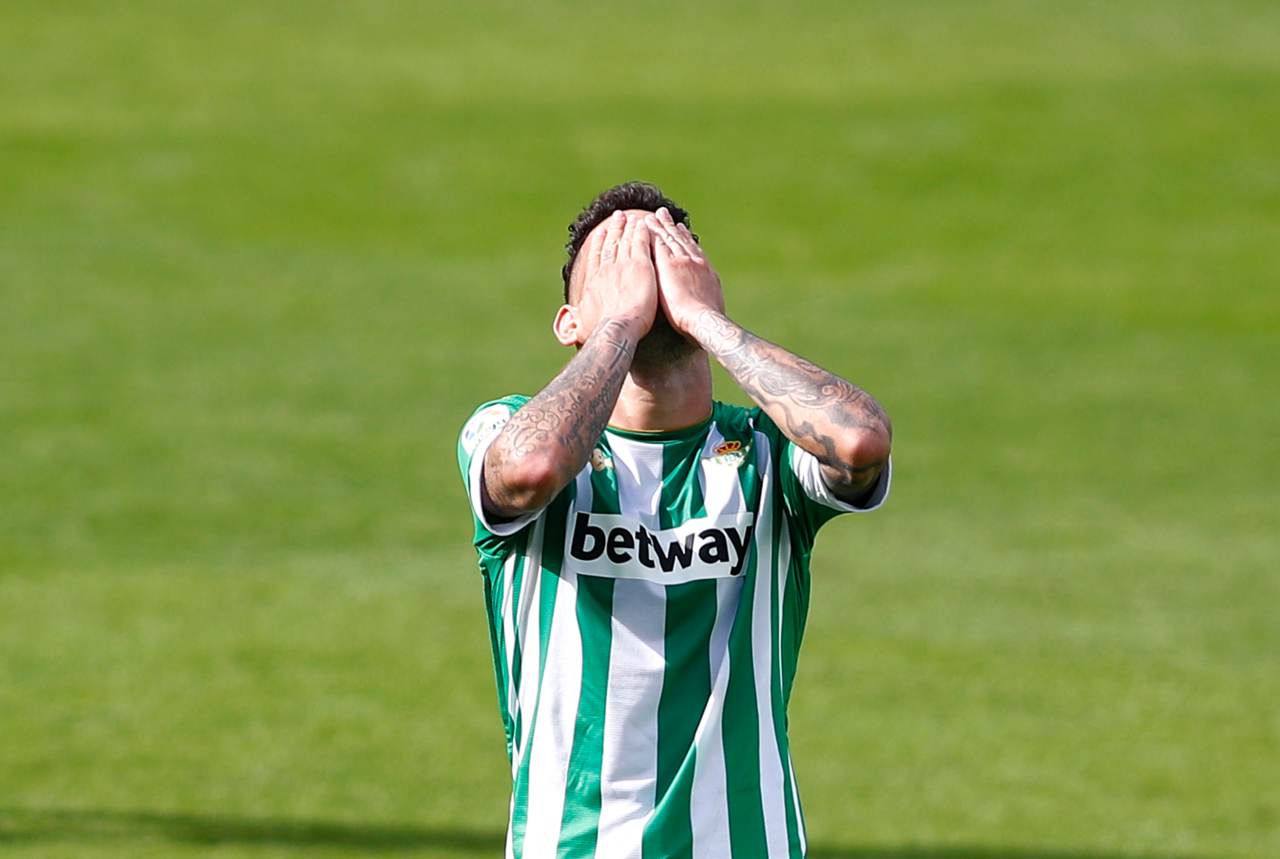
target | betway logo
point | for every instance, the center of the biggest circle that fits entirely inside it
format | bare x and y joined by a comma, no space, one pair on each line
603,544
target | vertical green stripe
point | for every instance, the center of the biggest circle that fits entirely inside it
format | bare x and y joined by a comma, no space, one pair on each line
779,703
793,826
681,495
691,612
742,730
749,476
795,606
493,612
803,826
495,585
604,483
581,816
499,634
517,657
741,719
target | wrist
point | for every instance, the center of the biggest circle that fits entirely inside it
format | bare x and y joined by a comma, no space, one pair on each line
631,325
709,326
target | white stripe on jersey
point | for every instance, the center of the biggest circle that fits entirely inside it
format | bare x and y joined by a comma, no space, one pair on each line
784,567
773,797
721,488
527,612
509,643
553,739
527,618
710,796
795,796
629,765
637,467
721,495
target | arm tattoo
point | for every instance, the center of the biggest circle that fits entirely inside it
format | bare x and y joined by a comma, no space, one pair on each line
565,419
811,405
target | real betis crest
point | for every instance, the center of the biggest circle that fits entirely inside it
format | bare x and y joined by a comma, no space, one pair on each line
731,453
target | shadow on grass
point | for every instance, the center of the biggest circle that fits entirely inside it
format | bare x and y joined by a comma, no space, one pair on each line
33,825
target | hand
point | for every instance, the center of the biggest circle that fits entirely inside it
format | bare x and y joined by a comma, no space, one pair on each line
620,277
687,284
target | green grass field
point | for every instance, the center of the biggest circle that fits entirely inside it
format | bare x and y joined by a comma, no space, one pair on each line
259,260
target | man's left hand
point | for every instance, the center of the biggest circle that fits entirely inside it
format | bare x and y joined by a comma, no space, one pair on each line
687,284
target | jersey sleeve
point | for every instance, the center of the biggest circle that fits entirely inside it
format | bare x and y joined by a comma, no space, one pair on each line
473,442
809,501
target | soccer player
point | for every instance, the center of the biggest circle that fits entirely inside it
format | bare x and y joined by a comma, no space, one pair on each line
645,554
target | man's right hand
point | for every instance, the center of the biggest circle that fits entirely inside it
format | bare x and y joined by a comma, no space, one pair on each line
619,273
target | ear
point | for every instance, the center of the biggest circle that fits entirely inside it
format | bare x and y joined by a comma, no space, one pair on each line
566,326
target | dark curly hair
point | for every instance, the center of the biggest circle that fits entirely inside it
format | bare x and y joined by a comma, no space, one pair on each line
628,195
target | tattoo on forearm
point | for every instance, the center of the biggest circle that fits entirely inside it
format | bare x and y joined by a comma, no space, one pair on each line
808,402
569,414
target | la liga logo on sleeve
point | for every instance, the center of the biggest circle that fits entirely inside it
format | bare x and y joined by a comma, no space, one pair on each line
483,425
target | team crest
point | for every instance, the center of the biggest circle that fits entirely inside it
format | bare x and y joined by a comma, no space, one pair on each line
731,453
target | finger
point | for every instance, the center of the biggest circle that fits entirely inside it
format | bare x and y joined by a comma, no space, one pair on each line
627,237
684,248
662,241
679,232
612,232
638,242
591,251
687,241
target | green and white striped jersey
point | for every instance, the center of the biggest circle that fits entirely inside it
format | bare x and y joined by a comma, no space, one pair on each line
645,629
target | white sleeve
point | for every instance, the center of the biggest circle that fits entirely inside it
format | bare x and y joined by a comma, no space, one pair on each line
505,527
808,472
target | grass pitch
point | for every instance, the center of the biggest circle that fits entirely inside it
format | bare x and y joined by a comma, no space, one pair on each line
258,261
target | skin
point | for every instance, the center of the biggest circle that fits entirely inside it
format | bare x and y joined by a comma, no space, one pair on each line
632,267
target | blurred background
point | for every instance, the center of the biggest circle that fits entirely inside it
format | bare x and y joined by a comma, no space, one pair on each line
258,262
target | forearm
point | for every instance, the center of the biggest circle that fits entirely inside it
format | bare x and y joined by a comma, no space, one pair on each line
548,440
830,417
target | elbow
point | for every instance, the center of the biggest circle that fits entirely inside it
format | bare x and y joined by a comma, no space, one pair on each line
530,485
868,447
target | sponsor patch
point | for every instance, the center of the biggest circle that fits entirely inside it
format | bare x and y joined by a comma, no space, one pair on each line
483,425
620,547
